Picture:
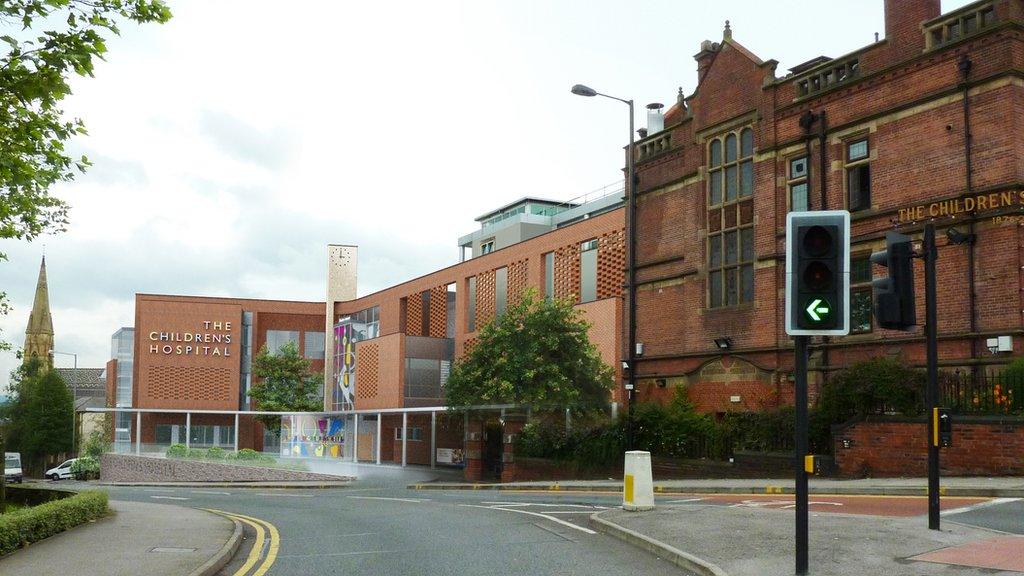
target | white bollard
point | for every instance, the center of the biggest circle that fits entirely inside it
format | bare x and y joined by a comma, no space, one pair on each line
638,484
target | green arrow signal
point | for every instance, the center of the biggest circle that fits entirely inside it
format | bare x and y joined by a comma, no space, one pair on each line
816,308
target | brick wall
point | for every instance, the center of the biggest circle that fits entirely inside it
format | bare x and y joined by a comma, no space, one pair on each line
981,447
909,105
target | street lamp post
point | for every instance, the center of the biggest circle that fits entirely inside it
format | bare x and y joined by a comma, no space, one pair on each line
74,394
581,90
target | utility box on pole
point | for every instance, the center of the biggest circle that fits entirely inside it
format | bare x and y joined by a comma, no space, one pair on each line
818,273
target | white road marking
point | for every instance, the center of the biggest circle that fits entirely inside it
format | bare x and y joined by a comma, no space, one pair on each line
413,500
209,492
547,516
588,506
170,498
285,495
685,500
159,490
994,502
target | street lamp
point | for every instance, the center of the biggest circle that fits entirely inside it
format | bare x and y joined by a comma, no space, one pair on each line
74,393
581,90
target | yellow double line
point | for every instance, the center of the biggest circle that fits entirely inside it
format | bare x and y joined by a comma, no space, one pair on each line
265,531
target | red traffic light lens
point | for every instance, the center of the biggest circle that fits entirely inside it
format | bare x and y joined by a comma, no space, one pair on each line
818,241
818,276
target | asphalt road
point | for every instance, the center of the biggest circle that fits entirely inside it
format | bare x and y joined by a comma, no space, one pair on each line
374,528
377,526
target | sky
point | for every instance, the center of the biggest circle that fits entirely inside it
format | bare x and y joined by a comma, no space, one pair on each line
232,144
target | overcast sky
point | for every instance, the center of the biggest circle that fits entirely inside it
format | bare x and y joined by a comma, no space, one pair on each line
233,143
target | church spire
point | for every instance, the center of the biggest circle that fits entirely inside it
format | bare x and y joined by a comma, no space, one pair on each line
39,333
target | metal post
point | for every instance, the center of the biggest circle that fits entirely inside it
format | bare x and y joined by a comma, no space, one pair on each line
355,440
631,266
800,442
188,429
379,418
433,439
931,395
138,433
405,435
236,432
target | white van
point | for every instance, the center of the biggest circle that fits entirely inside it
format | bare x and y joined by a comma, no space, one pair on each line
12,467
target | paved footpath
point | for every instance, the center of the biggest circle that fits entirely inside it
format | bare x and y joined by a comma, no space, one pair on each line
713,530
137,538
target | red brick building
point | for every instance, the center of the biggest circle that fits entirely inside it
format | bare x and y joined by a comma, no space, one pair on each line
926,124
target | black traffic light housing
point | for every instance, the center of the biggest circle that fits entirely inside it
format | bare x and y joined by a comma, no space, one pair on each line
818,273
943,433
894,294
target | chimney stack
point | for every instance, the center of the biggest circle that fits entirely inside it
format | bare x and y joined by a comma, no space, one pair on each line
903,20
704,58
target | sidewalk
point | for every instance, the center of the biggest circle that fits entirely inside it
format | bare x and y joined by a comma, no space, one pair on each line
1003,487
717,541
154,539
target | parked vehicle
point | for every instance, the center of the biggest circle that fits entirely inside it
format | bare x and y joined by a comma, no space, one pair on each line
61,472
12,467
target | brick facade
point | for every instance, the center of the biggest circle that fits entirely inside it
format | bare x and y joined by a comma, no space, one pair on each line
906,98
981,447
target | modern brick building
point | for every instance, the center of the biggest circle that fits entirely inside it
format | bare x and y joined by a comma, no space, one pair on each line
385,356
926,124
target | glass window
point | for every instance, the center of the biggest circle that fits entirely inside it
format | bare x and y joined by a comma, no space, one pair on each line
501,290
858,182
730,216
487,247
314,345
798,168
471,313
588,271
276,339
716,153
857,150
798,197
549,275
860,294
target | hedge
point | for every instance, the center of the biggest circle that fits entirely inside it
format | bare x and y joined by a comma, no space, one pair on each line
23,527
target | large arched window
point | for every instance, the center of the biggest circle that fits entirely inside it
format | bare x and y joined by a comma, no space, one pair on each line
730,253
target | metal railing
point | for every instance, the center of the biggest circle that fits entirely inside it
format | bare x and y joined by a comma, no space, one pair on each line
983,392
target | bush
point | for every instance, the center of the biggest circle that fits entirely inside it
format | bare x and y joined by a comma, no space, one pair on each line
1013,382
876,386
197,453
27,525
248,454
177,451
215,453
86,468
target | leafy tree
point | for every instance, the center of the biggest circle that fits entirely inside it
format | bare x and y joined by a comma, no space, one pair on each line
536,354
40,413
285,384
34,78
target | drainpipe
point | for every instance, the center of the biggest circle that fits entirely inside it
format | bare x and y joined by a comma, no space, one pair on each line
964,65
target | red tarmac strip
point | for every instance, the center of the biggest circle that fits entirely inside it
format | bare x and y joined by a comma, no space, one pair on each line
1002,553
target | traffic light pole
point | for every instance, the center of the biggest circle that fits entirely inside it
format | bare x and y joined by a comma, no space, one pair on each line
800,443
931,394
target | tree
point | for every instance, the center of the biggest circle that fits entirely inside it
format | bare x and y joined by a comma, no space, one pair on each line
34,78
40,413
285,384
536,354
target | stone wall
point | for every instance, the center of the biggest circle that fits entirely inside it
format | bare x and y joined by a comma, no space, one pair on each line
982,446
126,468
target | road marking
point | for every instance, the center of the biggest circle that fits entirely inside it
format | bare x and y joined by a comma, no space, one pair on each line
159,490
170,498
549,517
972,507
209,492
273,540
284,495
685,500
589,506
413,500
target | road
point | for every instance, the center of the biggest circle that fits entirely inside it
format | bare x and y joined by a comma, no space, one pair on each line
379,527
387,530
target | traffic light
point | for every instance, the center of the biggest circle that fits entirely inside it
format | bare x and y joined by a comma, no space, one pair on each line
942,433
894,294
818,273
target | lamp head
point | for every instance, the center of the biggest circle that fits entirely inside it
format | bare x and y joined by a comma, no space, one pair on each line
581,90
